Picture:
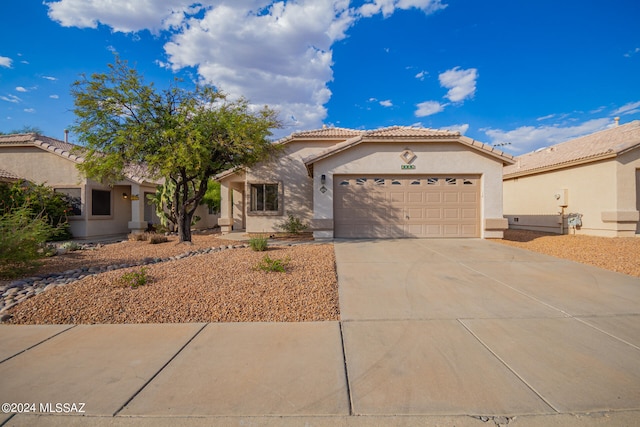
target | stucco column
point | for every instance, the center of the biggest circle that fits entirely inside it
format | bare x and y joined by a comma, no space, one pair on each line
137,223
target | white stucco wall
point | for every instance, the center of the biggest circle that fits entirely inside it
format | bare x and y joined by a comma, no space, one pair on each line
435,158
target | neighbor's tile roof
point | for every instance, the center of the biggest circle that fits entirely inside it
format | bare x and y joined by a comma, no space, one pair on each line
599,145
136,173
8,176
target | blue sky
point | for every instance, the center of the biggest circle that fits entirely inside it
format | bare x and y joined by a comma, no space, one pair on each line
523,73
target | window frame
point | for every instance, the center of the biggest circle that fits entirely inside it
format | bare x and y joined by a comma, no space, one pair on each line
93,200
264,212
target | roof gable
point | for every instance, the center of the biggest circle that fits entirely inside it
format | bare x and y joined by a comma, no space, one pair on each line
403,133
135,172
608,143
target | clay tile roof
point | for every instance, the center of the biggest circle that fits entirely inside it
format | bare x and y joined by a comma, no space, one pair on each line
8,176
606,143
136,173
409,132
328,132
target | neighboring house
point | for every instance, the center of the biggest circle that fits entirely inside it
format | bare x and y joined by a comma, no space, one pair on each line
99,210
392,182
596,176
6,176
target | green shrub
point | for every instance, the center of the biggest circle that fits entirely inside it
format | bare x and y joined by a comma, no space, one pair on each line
292,225
259,243
134,279
154,239
40,202
22,241
276,265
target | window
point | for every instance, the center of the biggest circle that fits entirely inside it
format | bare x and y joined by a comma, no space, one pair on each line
467,182
264,197
100,202
396,182
378,181
432,181
73,196
344,182
361,181
415,182
450,181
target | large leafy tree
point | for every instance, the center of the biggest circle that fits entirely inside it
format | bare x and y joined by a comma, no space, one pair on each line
183,136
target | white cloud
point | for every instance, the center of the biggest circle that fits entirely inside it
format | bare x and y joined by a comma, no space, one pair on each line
547,117
21,89
11,98
632,52
461,83
123,15
386,103
277,53
53,79
462,128
54,96
5,62
388,7
29,110
630,108
529,138
421,75
429,108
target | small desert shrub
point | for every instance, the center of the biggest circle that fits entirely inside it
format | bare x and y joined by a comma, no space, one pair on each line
259,243
276,265
22,242
70,246
134,279
138,237
154,239
292,225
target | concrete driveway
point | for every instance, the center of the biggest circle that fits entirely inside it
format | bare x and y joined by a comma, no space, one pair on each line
433,333
476,327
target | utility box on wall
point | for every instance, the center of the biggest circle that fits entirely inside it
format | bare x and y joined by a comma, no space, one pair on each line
562,197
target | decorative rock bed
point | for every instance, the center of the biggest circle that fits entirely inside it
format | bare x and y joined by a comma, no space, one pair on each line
19,290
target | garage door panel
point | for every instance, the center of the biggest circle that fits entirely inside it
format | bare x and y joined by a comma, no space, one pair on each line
469,213
433,213
468,197
414,197
451,213
433,197
406,206
451,197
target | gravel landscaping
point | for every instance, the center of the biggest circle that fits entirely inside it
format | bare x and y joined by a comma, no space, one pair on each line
218,286
217,280
621,254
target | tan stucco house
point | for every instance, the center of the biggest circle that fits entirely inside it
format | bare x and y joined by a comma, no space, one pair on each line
391,182
595,178
98,210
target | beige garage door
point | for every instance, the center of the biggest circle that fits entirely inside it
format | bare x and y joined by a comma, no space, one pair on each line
407,206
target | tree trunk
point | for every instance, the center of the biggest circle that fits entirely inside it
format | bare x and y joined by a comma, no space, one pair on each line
184,227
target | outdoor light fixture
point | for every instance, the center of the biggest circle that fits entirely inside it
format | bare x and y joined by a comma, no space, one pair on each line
323,179
124,196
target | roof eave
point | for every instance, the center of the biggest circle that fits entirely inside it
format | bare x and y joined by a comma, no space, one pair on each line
558,166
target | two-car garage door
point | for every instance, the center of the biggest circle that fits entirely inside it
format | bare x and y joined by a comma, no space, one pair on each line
406,206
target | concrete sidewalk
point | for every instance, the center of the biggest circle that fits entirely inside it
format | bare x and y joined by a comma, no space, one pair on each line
433,332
